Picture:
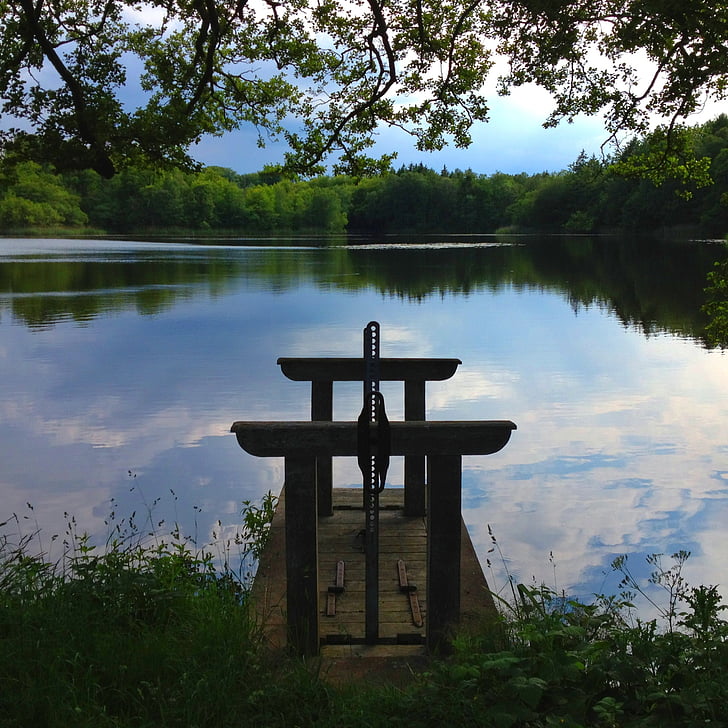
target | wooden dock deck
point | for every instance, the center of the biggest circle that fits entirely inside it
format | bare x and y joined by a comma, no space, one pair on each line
340,538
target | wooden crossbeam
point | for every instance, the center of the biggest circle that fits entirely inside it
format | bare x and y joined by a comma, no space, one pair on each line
351,369
314,439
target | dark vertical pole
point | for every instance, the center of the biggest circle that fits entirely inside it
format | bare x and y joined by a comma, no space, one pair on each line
443,547
371,488
371,577
302,590
322,409
414,465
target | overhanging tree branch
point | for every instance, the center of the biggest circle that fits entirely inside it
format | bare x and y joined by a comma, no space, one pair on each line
343,69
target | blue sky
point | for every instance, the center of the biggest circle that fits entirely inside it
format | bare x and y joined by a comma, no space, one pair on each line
513,141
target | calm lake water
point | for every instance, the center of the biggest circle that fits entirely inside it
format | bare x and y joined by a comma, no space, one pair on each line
123,364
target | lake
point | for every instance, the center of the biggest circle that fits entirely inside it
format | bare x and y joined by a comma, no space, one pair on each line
123,364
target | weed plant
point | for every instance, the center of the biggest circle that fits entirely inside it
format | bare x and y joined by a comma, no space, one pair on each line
158,633
140,633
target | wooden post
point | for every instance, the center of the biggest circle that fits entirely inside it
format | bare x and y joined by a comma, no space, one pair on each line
302,591
414,466
443,548
322,409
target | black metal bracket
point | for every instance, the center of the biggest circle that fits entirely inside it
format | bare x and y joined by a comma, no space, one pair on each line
374,443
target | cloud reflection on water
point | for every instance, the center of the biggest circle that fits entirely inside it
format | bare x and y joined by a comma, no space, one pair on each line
619,447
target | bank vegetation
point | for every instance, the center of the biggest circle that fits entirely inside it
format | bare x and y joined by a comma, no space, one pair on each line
155,631
689,191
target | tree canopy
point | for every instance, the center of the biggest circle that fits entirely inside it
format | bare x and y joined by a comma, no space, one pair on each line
588,197
326,74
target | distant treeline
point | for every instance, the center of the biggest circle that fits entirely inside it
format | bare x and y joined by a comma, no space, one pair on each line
587,197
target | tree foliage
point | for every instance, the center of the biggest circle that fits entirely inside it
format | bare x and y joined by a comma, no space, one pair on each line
341,69
587,197
716,307
35,197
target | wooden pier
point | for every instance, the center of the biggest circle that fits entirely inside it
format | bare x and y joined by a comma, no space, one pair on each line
340,539
381,567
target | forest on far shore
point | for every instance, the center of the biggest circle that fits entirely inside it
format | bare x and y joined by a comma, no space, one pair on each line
591,196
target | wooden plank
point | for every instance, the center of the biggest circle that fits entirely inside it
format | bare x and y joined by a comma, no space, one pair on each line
351,369
399,536
268,592
280,439
414,372
414,466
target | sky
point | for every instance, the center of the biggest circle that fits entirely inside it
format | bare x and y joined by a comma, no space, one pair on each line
513,141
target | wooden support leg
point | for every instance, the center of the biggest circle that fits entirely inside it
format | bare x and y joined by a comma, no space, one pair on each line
414,465
322,409
443,548
302,591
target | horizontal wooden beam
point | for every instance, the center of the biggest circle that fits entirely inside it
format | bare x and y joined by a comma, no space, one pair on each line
319,439
340,369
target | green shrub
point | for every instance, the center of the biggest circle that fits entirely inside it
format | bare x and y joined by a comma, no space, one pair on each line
140,634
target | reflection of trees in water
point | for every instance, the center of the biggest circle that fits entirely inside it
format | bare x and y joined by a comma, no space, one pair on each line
654,286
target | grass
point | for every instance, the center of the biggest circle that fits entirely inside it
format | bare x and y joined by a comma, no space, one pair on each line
159,634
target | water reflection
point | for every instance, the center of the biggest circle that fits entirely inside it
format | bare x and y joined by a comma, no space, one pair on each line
653,286
122,367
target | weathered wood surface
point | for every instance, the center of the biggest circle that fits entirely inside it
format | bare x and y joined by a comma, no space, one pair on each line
414,372
414,466
399,538
348,369
322,408
339,538
279,439
302,559
443,557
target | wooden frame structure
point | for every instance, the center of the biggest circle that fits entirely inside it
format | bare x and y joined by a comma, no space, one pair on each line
414,372
304,444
